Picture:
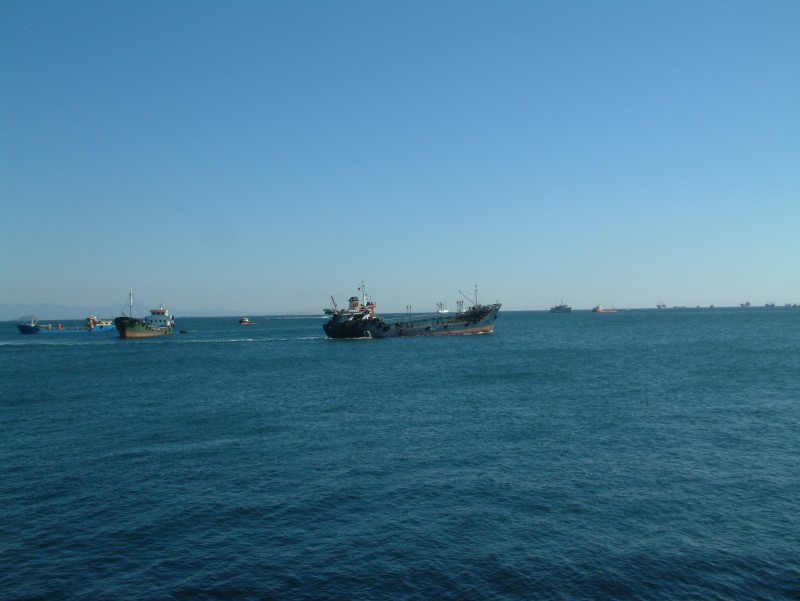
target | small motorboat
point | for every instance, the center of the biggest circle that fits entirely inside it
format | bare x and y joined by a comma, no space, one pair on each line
245,321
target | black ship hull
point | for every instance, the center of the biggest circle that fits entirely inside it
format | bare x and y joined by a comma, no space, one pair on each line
477,320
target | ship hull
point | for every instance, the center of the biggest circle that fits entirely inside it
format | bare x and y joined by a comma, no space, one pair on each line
29,329
130,327
477,321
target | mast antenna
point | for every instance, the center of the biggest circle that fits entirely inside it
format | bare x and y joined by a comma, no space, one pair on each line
468,298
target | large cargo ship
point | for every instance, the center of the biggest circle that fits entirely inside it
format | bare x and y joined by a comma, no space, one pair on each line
358,320
158,323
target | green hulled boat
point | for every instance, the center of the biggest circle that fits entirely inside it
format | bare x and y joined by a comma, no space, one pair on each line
158,323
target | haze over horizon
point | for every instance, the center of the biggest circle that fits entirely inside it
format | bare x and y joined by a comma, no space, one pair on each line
262,157
54,313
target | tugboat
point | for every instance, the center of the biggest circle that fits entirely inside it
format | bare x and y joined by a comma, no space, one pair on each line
158,323
358,320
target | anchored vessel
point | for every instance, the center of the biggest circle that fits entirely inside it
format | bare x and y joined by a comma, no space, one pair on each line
358,320
599,309
562,308
158,323
92,325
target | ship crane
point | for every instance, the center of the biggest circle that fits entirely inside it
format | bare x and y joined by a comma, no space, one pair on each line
468,298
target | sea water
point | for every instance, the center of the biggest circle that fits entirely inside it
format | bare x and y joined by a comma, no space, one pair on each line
640,454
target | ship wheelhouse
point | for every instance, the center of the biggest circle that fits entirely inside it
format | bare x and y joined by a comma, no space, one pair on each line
159,318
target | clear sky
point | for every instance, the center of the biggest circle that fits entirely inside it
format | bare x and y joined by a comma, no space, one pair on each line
261,156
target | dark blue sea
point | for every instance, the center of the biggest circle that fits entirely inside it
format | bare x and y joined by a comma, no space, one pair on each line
637,455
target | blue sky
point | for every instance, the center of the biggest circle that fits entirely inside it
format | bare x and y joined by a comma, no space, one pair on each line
261,156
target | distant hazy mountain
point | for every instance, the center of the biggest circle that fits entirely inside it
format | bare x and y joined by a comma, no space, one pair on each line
50,312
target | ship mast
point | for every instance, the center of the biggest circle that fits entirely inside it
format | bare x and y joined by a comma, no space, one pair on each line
468,298
363,290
